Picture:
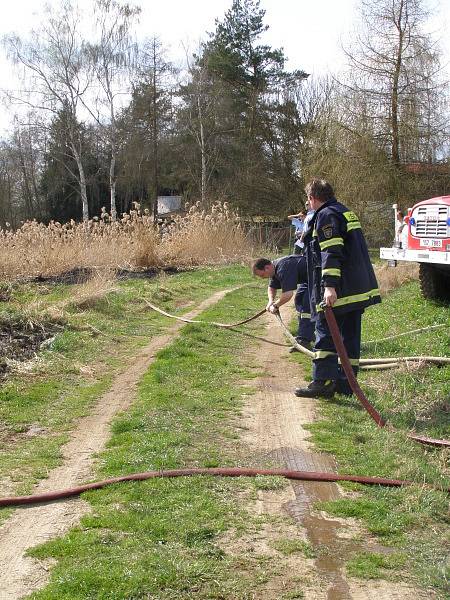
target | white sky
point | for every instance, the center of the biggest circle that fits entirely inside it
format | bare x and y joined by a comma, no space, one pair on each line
309,31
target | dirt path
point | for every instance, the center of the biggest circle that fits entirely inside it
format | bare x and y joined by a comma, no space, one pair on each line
27,527
273,429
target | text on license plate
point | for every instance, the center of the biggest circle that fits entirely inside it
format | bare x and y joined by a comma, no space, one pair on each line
431,243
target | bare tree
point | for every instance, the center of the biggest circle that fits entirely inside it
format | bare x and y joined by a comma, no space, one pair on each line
111,59
55,75
201,103
152,104
394,76
9,177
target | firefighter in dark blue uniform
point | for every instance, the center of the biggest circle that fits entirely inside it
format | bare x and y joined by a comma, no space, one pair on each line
286,274
341,275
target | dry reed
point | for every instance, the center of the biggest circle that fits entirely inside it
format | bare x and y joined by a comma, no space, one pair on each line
390,278
205,237
132,242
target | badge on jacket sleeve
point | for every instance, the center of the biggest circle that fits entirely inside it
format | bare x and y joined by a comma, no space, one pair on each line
327,231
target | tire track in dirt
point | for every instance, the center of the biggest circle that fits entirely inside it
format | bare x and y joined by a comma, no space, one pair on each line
27,527
273,428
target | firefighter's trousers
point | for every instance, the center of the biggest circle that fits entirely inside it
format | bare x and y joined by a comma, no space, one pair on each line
305,325
325,362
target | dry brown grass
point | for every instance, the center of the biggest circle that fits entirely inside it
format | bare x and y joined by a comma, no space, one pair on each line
198,238
205,237
390,278
82,296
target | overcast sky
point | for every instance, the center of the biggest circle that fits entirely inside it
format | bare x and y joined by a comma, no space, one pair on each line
309,31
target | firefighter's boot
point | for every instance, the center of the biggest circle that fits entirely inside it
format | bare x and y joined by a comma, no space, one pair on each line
317,389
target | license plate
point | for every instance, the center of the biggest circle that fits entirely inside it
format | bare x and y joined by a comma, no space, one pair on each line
431,243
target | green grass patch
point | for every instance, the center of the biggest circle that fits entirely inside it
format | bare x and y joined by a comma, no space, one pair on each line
161,538
266,483
372,565
288,546
37,410
414,520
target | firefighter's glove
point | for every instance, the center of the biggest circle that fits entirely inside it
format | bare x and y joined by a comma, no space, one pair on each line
273,308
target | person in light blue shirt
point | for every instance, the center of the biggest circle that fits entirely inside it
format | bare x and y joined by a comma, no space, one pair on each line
309,215
298,222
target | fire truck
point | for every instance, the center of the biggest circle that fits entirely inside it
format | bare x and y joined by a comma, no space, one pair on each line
426,241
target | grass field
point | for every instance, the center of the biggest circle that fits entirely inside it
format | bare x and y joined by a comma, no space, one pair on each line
161,538
41,400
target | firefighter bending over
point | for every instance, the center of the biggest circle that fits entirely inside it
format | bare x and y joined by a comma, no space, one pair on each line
287,273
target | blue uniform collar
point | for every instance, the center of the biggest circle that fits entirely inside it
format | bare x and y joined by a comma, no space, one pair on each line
329,202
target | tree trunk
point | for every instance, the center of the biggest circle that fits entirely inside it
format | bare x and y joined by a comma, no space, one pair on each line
202,151
395,92
112,185
394,114
27,192
82,182
155,141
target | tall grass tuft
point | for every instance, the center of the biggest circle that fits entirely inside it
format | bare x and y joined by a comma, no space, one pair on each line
132,242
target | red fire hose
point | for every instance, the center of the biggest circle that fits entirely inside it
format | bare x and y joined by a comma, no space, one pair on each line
346,365
345,362
221,472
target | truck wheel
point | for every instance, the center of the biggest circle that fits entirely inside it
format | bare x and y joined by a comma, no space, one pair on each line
432,282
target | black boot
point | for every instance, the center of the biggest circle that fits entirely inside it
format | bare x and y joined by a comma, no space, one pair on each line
317,389
343,388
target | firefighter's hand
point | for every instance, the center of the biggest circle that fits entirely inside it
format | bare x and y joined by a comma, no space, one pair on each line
329,296
272,308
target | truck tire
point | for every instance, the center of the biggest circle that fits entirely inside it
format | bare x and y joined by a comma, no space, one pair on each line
432,282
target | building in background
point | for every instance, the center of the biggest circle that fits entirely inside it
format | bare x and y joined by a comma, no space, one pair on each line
169,206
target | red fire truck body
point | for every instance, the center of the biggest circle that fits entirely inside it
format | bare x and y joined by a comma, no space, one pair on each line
428,243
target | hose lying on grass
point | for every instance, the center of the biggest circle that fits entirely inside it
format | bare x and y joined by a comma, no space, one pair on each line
374,363
216,471
436,360
345,362
342,353
381,363
224,325
228,326
397,335
370,363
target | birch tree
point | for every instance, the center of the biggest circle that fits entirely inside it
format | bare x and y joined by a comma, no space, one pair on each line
111,60
199,116
55,76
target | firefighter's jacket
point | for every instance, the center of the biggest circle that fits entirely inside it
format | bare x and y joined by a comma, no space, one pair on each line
338,257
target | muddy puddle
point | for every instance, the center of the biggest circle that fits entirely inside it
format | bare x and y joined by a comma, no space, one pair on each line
323,533
273,428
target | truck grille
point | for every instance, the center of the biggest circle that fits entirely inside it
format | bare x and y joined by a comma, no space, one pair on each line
431,221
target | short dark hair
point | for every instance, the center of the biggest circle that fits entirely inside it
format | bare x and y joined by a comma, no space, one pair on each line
260,263
320,189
